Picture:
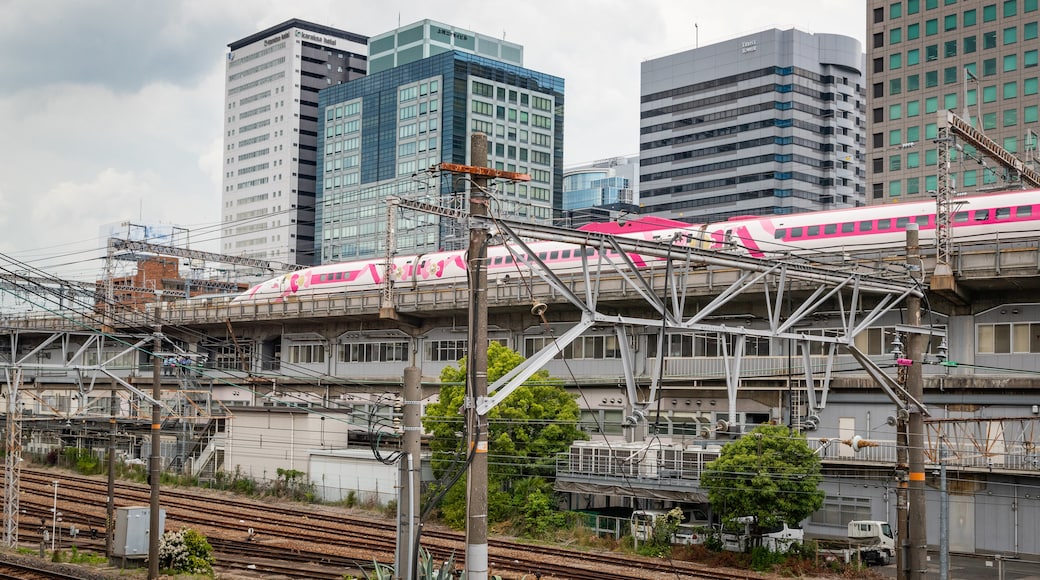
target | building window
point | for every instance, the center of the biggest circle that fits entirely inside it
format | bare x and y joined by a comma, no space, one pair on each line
969,18
1008,338
950,22
1010,35
1010,8
374,352
445,350
306,353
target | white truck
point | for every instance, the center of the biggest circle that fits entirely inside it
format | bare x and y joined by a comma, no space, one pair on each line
693,528
869,542
776,539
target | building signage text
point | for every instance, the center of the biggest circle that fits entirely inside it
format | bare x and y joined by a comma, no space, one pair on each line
748,46
457,35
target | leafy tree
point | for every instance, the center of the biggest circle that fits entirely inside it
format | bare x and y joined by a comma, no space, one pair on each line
526,431
770,473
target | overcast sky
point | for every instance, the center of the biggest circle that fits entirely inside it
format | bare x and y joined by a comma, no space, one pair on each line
110,110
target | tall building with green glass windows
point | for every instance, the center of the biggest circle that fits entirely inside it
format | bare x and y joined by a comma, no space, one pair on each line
380,133
976,58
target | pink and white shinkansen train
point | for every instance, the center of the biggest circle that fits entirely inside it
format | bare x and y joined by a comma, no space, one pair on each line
976,218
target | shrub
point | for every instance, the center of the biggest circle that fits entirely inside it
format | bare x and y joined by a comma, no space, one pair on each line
186,551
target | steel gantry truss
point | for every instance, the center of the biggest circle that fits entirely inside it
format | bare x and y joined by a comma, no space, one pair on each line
683,257
73,357
773,279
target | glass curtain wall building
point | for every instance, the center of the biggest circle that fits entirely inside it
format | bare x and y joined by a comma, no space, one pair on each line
978,59
769,123
271,126
380,134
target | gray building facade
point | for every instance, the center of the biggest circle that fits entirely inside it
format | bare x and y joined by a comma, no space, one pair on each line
769,123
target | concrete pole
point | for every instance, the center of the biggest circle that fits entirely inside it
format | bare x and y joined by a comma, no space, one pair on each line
408,502
944,522
918,556
156,457
476,372
113,401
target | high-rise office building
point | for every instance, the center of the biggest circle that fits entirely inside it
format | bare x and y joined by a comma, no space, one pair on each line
271,125
379,134
768,123
975,58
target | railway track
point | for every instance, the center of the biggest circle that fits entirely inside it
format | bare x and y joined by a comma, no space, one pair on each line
302,541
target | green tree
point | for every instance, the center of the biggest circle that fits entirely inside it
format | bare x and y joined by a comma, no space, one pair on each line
769,473
527,430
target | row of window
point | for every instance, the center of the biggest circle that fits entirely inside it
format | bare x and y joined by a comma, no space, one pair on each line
989,11
931,53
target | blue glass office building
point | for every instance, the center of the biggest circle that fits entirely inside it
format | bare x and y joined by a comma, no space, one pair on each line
378,135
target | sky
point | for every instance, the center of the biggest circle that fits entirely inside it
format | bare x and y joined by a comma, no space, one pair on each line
111,110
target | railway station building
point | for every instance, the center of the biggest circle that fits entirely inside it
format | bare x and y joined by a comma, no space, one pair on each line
768,123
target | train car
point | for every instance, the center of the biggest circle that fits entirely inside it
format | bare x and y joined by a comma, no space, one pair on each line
975,218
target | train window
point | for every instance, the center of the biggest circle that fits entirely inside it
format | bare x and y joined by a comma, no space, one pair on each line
339,275
981,215
566,254
554,254
866,226
812,231
498,260
901,222
509,259
541,256
830,229
590,251
1003,213
780,234
796,233
884,224
1024,211
922,220
848,228
960,217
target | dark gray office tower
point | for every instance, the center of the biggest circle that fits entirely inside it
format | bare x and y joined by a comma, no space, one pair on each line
769,123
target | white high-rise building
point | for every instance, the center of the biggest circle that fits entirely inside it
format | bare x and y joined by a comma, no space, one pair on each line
271,125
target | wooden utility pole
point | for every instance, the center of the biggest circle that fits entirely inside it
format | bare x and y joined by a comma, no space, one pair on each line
156,457
476,366
476,370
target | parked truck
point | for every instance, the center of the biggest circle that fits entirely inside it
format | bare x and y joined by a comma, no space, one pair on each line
870,541
738,537
693,527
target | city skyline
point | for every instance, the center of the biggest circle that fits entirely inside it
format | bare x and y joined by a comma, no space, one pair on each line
113,110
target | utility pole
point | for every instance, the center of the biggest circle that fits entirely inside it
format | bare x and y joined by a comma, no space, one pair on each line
410,475
918,537
110,509
156,457
476,370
